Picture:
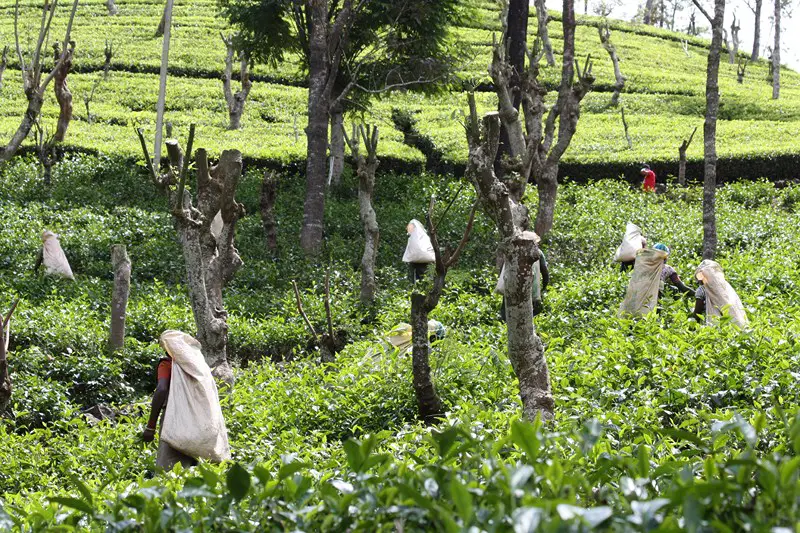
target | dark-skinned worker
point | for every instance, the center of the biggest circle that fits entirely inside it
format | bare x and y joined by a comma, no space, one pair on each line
167,455
669,275
648,179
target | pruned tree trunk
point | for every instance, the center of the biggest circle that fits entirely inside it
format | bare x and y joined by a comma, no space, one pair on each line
776,54
210,262
162,23
682,159
112,7
63,94
740,70
366,166
119,298
536,153
3,64
625,127
710,129
269,190
648,11
87,98
235,101
605,39
428,400
756,30
34,86
525,350
45,152
734,40
544,36
5,380
337,145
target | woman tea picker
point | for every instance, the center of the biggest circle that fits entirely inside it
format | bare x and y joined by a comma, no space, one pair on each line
715,297
650,273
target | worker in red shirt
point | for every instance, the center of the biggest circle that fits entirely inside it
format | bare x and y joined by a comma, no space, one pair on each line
649,183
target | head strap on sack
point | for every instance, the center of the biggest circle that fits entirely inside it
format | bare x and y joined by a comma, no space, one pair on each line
47,234
706,268
178,342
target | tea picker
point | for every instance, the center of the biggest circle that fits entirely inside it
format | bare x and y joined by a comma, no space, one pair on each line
51,255
419,250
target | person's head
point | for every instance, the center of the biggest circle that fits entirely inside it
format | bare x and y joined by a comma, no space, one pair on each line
645,169
708,268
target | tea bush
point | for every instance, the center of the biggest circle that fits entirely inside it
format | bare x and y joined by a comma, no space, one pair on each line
661,423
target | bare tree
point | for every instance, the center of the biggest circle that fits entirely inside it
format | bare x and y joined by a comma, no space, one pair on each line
235,100
3,64
734,50
121,266
605,39
210,262
112,7
518,246
710,128
755,7
34,85
692,29
428,400
682,158
366,165
648,11
45,152
537,154
544,37
337,142
625,127
776,53
269,190
162,23
330,344
740,70
63,94
5,380
88,97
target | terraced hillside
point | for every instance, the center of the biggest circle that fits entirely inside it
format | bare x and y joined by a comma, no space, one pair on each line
664,95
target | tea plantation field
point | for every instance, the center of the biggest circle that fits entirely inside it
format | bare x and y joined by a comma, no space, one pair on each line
661,424
664,97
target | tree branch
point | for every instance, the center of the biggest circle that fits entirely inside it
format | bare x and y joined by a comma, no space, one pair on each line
303,313
703,11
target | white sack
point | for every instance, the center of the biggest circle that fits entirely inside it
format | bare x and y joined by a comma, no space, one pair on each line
193,422
720,296
631,243
53,258
642,294
419,248
216,225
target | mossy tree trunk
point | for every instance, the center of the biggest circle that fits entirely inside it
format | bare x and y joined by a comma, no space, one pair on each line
121,266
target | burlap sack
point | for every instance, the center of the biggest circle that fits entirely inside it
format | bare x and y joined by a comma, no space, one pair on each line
193,422
631,243
642,294
419,248
721,299
53,258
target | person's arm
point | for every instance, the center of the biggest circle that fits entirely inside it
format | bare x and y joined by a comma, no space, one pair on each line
699,309
544,270
159,399
676,281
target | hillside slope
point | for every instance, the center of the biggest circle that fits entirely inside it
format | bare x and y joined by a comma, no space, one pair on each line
664,95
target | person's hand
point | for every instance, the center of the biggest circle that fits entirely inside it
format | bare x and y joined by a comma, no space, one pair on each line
148,434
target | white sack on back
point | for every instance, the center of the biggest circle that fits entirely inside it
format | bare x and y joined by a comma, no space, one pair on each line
53,258
642,295
631,243
216,225
419,248
720,296
193,422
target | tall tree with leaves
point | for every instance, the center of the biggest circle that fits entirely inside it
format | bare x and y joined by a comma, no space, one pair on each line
346,45
710,128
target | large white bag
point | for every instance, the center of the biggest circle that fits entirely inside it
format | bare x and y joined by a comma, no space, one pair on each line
631,243
642,294
419,248
53,258
193,422
720,296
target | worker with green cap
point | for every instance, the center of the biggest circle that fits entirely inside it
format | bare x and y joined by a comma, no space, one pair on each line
669,275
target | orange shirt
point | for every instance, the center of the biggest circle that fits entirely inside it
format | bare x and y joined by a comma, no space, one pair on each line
164,369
